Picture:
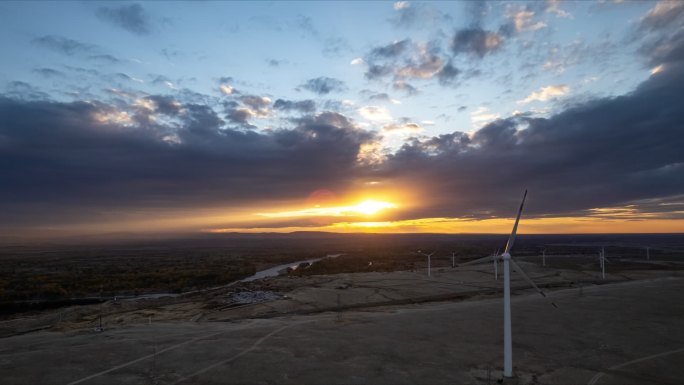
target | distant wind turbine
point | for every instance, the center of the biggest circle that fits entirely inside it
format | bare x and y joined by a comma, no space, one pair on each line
507,261
602,262
428,259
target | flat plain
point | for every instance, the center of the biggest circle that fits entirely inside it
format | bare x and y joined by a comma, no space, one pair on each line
389,327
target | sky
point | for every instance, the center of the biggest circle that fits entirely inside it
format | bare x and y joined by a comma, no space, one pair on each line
200,116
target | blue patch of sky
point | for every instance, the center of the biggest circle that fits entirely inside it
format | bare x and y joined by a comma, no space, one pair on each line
193,44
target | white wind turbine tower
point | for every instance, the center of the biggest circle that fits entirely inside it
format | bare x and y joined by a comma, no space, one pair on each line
507,262
428,259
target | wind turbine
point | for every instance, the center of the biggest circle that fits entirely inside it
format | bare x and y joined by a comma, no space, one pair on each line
428,257
495,258
507,262
602,262
453,259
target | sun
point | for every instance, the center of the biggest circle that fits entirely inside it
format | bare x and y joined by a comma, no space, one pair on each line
371,206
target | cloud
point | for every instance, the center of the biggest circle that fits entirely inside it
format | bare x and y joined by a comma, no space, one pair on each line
391,50
482,116
382,97
306,25
664,50
131,17
546,93
304,106
240,116
49,72
378,71
523,20
324,85
64,45
226,89
275,62
447,74
476,41
553,6
24,91
572,162
404,127
664,14
399,5
62,157
426,68
375,113
415,15
401,85
335,46
407,60
256,102
106,58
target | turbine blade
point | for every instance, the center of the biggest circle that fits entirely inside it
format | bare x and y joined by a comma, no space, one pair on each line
511,239
529,280
488,258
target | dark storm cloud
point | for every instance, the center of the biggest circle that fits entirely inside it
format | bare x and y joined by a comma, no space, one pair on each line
324,85
476,41
307,106
79,155
64,45
131,17
605,152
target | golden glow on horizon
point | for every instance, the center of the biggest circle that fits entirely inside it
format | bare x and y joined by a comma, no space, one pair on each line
367,207
560,225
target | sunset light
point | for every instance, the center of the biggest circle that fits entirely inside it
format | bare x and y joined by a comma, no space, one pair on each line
367,207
